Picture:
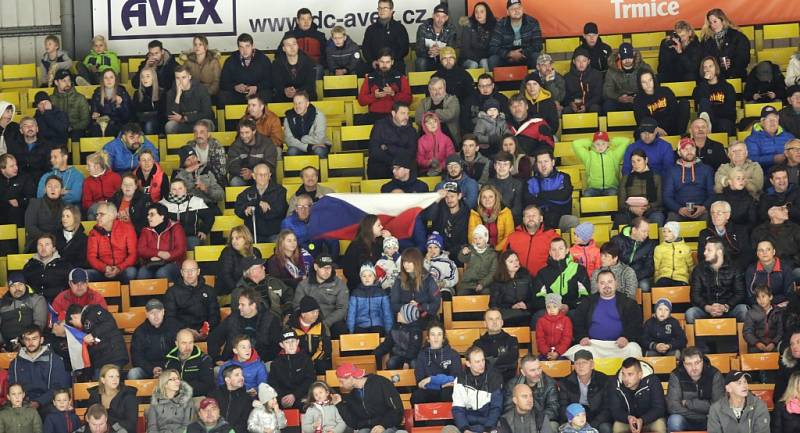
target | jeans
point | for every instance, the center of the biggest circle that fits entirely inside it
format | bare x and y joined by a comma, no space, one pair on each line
123,277
597,192
694,313
645,285
472,64
321,151
137,373
238,181
169,271
496,61
425,64
657,426
191,242
676,423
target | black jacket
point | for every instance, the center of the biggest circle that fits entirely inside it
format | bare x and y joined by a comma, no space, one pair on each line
571,295
783,421
725,286
771,198
597,411
378,404
753,85
743,207
790,120
713,154
736,240
399,140
453,227
393,34
48,279
630,315
637,255
34,161
197,370
586,85
411,185
501,352
123,408
53,127
736,47
355,256
598,54
137,211
504,294
189,307
234,406
258,73
165,72
301,76
661,106
674,67
266,223
292,374
458,81
784,237
146,107
230,269
264,328
111,349
195,103
74,250
646,401
698,395
21,188
669,332
150,345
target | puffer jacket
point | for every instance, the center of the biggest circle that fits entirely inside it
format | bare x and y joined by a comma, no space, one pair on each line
122,158
552,194
564,277
545,396
569,391
554,332
206,73
448,114
504,294
763,326
115,248
530,34
241,155
171,240
17,314
754,417
477,400
724,286
431,362
698,396
194,215
779,280
331,294
230,269
620,81
646,401
602,169
736,240
637,255
253,370
47,278
479,268
433,146
673,260
368,307
109,347
474,39
99,188
327,416
586,86
443,270
491,131
426,32
76,107
260,420
427,297
105,60
762,146
170,415
346,57
532,248
668,331
586,255
190,306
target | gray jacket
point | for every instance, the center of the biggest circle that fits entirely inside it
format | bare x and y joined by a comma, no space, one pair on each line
170,415
331,294
10,306
215,192
327,415
490,131
448,114
625,276
512,422
755,417
242,155
698,395
545,397
315,136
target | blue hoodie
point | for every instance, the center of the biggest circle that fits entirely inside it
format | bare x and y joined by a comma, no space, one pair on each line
253,369
660,156
72,180
369,306
122,159
762,147
693,184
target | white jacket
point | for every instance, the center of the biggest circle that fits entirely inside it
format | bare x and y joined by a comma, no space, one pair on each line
443,270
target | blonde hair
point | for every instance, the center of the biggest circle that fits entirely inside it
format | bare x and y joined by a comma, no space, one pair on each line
100,158
706,32
244,232
156,90
338,30
101,39
792,391
163,379
101,388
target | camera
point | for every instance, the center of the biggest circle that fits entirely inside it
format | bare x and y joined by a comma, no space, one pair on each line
671,39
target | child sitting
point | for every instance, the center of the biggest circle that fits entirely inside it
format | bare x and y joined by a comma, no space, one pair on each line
342,55
762,325
602,158
673,258
402,343
246,357
266,416
63,418
662,334
491,127
553,330
433,147
576,420
292,371
387,268
369,309
480,263
321,414
443,270
583,250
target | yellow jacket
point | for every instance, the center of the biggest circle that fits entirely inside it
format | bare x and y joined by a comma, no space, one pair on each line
673,260
505,226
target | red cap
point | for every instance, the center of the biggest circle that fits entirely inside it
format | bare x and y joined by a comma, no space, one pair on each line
600,136
349,370
685,141
208,401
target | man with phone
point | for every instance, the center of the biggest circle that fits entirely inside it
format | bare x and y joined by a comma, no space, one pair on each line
638,404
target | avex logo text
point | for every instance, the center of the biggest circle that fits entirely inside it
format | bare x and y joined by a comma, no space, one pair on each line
186,12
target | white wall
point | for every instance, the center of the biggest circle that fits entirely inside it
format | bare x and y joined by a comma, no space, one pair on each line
16,13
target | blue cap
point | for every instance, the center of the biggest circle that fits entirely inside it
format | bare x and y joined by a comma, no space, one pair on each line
78,275
574,410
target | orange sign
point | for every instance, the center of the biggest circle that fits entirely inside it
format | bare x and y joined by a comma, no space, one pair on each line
567,17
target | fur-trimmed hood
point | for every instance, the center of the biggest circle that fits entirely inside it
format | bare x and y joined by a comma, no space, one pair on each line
192,57
183,397
787,360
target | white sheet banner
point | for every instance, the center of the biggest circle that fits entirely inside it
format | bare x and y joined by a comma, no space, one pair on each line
130,24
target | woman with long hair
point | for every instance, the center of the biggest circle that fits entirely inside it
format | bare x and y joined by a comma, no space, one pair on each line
203,64
716,97
110,107
150,177
436,368
100,185
171,408
722,40
231,265
415,286
131,202
71,239
290,263
522,168
679,54
149,102
639,192
512,291
119,399
786,416
367,246
659,102
476,30
491,213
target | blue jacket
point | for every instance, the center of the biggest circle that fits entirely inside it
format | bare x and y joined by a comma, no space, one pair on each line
300,229
469,188
253,370
688,185
122,159
40,375
72,180
369,306
428,297
762,147
431,362
61,422
660,156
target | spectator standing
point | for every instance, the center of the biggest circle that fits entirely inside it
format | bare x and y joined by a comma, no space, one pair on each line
309,40
599,51
203,64
434,34
369,309
246,72
106,344
679,55
304,128
385,32
721,39
475,32
294,71
516,40
583,85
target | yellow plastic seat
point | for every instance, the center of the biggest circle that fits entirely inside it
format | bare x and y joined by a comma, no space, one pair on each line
17,261
614,41
642,41
681,89
561,45
207,253
22,75
605,204
266,249
754,110
340,87
345,166
781,31
14,98
778,56
372,186
293,164
417,79
620,119
224,223
579,121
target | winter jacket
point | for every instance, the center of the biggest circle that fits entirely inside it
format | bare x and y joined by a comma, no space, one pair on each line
119,114
195,103
501,351
660,156
16,314
427,297
627,283
736,240
713,154
66,298
230,269
206,73
41,373
412,185
145,109
673,260
346,57
170,415
646,401
368,307
358,253
165,70
234,406
32,158
779,280
490,131
724,286
543,106
315,134
620,81
311,42
378,403
479,268
532,134
790,120
673,66
602,169
327,416
377,80
399,141
431,362
196,370
241,155
478,400
532,249
754,417
109,347
474,105
734,46
47,278
763,146
668,331
545,396
763,326
443,270
720,99
637,255
150,345
554,332
214,194
122,158
636,185
433,148
753,85
315,340
123,410
586,86
264,327
511,190
105,60
504,38
171,240
258,73
50,66
100,188
477,169
190,306
564,277
598,54
331,294
404,342
504,294
301,76
474,38
76,107
771,198
630,315
20,188
505,227
586,255
301,231
379,34
457,80
218,159
264,224
260,420
193,215
253,370
448,111
744,210
783,421
426,35
222,426
597,411
61,422
698,396
20,420
291,374
552,194
662,106
115,248
155,184
41,219
72,181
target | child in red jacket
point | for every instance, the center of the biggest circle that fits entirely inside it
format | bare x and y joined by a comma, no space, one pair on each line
433,147
553,330
583,250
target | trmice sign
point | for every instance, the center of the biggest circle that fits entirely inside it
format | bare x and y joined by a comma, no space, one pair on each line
137,19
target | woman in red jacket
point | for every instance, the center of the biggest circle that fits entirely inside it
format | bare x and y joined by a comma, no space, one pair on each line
162,245
111,248
101,184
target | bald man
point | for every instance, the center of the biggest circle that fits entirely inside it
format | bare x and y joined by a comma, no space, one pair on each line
191,303
194,366
523,418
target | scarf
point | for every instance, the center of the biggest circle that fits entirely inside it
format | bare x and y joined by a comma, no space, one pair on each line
487,215
160,228
719,37
178,200
301,125
54,206
649,179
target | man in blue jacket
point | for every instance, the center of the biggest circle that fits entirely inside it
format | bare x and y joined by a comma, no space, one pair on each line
477,396
689,185
765,144
638,403
517,39
39,369
551,191
123,151
71,178
660,156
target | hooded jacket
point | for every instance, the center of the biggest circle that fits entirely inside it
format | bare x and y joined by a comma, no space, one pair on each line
545,397
597,411
170,415
673,260
685,183
47,278
543,106
620,81
586,255
100,188
122,410
115,248
668,331
301,76
378,403
399,141
196,370
660,156
583,85
753,85
637,255
331,294
11,133
150,345
190,306
194,104
532,249
264,224
646,401
479,268
291,374
662,106
552,194
18,313
193,215
564,277
241,155
72,181
505,294
171,240
724,286
206,73
105,60
253,370
315,340
368,307
122,158
754,417
501,351
75,105
554,332
234,406
433,145
326,415
720,97
698,396
377,80
41,373
448,111
313,126
630,315
735,46
503,38
258,73
346,57
602,169
478,400
109,347
763,146
431,362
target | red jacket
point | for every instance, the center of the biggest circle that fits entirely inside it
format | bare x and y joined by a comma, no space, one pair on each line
554,331
532,249
376,81
587,255
99,188
117,248
171,240
66,298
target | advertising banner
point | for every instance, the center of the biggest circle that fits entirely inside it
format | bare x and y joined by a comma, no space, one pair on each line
567,17
130,24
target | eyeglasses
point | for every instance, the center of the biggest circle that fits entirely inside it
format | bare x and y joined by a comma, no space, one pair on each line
190,270
303,206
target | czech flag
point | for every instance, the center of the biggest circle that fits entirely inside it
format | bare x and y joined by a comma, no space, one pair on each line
336,216
78,350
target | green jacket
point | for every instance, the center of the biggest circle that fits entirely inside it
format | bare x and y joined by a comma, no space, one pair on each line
602,169
76,107
106,60
22,420
478,268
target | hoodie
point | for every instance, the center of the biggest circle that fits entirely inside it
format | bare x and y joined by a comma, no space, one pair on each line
253,369
661,106
431,362
10,134
646,401
433,147
41,373
620,81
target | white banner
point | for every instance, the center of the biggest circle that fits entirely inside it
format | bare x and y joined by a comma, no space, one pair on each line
130,24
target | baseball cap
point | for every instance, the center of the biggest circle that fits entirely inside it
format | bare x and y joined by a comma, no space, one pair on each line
510,3
288,334
648,124
583,354
544,58
61,73
626,51
208,401
78,275
154,304
734,376
590,28
767,110
349,370
451,187
600,136
441,7
685,142
251,261
323,260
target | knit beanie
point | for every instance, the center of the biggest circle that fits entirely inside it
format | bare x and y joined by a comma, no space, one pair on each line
409,312
665,302
367,267
435,239
552,298
674,227
585,231
574,410
390,242
308,304
480,231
